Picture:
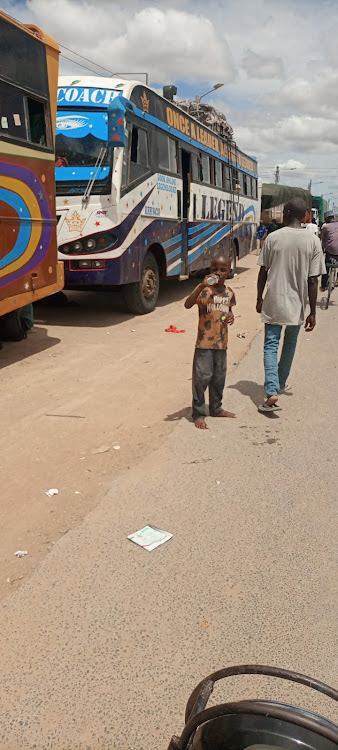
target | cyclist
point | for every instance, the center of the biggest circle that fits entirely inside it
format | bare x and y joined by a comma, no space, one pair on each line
329,238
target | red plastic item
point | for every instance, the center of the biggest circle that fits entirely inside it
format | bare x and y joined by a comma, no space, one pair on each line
173,329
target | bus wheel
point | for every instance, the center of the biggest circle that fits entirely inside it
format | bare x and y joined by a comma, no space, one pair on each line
141,297
233,258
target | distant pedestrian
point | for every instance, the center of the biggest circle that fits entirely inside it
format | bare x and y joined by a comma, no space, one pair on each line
329,236
291,261
215,301
312,226
273,226
262,233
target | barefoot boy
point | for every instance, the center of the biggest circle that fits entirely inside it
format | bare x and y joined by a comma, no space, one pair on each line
215,302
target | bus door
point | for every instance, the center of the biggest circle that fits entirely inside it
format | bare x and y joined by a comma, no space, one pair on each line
186,172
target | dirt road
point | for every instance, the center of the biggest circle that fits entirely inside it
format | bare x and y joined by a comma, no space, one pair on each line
89,378
102,645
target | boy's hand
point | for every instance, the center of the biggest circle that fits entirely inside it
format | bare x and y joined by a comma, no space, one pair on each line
259,305
230,318
204,283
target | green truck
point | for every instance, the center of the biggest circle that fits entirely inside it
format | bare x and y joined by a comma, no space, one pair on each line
321,205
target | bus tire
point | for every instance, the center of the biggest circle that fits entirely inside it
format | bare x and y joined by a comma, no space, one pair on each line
233,259
141,296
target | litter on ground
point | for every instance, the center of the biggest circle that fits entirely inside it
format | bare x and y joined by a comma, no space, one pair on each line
101,449
198,461
117,447
21,553
150,537
52,492
173,329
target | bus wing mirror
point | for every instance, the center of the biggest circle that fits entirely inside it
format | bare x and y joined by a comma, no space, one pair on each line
116,121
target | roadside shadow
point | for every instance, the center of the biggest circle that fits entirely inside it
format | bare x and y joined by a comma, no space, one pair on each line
240,269
37,341
184,413
251,389
100,309
255,393
321,303
82,309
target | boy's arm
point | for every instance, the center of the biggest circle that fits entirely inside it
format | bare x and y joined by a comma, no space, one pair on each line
193,297
230,318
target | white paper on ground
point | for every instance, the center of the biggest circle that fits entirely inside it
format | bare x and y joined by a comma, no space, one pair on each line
52,492
150,537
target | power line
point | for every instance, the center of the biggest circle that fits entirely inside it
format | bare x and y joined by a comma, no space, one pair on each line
84,58
301,169
82,66
131,73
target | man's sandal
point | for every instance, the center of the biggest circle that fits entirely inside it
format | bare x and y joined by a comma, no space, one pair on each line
266,409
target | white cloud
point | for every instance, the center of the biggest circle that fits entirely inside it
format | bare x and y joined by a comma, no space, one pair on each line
262,66
292,164
278,61
167,43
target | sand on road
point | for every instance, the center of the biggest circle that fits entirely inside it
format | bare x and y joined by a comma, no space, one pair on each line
88,378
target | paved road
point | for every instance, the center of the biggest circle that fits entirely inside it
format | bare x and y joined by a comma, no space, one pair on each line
101,647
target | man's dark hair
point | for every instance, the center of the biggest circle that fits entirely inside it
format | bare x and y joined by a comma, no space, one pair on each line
295,208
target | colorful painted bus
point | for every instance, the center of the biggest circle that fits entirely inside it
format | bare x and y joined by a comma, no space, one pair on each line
144,190
29,268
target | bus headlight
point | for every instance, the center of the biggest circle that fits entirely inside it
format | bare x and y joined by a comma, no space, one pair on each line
97,243
90,243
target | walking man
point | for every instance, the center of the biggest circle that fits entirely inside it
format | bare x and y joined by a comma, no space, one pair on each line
262,233
291,261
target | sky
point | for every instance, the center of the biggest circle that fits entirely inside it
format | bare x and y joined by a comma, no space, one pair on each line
277,59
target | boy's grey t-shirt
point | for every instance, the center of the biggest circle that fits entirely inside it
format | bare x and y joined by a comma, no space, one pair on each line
290,256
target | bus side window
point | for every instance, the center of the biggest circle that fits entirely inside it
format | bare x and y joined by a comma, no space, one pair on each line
241,181
173,156
226,177
37,121
205,168
194,168
166,152
246,184
139,162
200,167
218,174
254,187
124,176
235,178
212,171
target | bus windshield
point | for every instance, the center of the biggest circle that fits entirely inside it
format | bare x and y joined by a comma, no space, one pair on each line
80,136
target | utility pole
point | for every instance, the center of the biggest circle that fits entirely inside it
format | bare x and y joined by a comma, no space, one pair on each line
309,186
277,176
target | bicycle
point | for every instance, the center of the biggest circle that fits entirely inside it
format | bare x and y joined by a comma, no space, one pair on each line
332,270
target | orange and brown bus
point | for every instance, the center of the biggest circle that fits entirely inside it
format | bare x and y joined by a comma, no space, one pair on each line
28,90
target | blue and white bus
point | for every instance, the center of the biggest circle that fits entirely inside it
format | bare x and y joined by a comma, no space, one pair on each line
144,191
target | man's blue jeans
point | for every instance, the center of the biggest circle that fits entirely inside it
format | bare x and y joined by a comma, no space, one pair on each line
276,374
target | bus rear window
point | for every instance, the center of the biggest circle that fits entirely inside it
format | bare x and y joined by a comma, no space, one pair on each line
37,121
